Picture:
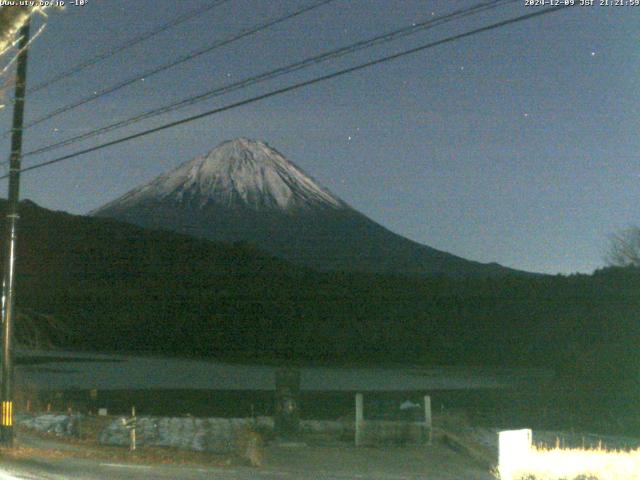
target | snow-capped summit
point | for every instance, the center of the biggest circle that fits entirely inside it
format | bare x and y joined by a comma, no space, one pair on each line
237,173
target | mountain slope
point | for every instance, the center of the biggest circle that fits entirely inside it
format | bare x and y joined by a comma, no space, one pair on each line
244,190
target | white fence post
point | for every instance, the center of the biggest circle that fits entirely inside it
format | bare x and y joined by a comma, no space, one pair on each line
359,418
133,429
427,417
513,447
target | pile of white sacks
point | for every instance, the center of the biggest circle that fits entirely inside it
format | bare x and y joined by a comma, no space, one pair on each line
50,423
219,435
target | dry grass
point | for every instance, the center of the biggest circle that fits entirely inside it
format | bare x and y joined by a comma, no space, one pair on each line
251,447
542,463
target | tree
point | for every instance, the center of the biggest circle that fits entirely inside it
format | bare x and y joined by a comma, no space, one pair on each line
624,248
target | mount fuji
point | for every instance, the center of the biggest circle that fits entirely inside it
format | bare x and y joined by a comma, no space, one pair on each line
246,191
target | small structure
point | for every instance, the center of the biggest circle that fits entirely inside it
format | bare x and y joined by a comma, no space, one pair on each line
513,446
287,411
407,422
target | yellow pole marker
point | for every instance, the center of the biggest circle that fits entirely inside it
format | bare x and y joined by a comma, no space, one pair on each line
7,413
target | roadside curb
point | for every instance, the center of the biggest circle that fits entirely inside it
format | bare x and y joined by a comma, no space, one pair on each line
476,452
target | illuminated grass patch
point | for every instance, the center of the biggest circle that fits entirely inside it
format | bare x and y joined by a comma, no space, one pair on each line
520,460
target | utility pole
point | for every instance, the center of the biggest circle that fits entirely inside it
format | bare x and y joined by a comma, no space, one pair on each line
8,282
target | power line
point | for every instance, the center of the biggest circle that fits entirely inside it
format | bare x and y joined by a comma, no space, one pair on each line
297,86
180,60
130,43
333,54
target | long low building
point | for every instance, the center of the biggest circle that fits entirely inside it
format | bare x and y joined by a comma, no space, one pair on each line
55,370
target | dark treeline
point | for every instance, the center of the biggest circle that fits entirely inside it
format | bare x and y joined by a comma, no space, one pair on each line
117,287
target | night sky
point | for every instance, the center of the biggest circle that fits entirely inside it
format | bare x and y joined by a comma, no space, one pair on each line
518,146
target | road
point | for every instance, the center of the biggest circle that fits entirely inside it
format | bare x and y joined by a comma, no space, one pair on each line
436,462
36,470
